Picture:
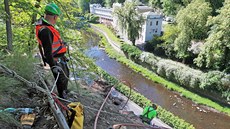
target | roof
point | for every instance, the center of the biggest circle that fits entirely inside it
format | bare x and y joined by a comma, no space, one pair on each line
142,9
149,13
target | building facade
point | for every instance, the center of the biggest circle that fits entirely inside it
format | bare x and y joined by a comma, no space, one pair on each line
152,26
105,14
152,22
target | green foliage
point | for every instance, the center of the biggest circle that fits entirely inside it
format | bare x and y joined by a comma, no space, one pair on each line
215,53
7,84
215,4
191,23
9,119
21,64
91,18
142,101
212,81
132,51
109,3
194,81
129,20
24,14
3,41
169,36
170,7
83,5
153,45
155,4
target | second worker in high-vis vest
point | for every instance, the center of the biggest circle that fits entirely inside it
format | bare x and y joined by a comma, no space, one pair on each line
52,48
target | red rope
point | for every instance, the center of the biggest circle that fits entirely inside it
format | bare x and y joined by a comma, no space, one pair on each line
58,102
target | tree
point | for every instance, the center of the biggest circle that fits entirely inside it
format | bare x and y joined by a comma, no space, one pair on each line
129,20
216,51
83,5
155,4
109,3
8,26
215,4
170,7
191,23
169,36
120,1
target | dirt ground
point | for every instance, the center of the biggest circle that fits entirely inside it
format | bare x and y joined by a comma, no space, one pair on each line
90,97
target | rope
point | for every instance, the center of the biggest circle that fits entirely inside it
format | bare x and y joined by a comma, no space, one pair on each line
58,102
130,89
95,122
15,75
61,70
55,82
88,107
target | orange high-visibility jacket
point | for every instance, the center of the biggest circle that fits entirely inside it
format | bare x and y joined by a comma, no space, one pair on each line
58,47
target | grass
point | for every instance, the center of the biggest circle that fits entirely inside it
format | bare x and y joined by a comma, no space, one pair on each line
109,33
169,85
6,118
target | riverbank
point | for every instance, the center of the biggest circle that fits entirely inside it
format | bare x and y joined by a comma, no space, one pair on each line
152,76
164,115
211,117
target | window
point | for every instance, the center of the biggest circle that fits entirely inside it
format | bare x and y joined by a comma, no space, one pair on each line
156,23
156,31
151,23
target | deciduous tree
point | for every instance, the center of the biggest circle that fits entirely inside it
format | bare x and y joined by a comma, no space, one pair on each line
191,23
8,26
216,51
129,20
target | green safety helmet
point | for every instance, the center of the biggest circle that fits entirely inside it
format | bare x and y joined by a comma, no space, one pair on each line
52,9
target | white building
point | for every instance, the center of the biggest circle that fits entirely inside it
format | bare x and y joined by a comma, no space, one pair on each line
151,26
105,14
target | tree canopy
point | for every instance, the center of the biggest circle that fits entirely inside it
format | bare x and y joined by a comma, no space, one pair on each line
129,20
191,23
215,53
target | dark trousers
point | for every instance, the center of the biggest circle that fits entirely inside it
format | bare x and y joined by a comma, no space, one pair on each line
62,81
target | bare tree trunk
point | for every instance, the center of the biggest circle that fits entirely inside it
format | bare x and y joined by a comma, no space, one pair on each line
8,26
33,20
133,41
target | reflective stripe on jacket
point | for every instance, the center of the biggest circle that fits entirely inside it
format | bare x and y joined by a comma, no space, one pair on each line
57,46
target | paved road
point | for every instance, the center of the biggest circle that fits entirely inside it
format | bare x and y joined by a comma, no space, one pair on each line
131,106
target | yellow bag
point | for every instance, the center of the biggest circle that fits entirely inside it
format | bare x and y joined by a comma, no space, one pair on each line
75,115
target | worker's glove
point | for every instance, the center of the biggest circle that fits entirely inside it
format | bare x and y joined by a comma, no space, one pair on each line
56,70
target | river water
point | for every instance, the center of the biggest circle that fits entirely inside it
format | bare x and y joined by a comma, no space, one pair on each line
201,117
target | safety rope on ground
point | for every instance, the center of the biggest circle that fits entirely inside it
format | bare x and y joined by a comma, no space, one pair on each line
55,83
14,74
88,107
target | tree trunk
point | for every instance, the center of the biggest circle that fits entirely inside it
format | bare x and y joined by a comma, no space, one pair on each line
33,20
133,41
184,59
8,26
226,64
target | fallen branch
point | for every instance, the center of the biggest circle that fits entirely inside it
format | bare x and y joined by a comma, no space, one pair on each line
54,108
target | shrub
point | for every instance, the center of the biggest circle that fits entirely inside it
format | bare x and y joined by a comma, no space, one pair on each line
214,81
132,51
22,64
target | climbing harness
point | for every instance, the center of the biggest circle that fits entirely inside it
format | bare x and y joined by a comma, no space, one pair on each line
145,118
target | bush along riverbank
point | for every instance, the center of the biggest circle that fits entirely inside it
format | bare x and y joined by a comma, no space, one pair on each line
166,116
160,67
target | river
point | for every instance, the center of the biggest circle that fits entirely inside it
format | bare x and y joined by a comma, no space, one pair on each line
201,117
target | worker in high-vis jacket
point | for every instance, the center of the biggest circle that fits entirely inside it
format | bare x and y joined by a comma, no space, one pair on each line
52,48
148,114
